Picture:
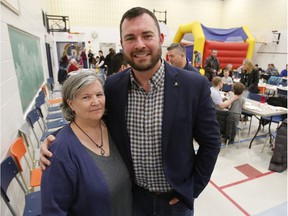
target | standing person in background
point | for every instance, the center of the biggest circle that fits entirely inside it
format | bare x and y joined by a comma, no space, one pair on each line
108,61
154,111
250,76
212,65
237,105
177,57
62,72
101,64
87,175
64,60
119,63
197,60
84,58
90,57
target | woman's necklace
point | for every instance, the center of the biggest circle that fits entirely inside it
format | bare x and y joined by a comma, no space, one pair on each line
102,151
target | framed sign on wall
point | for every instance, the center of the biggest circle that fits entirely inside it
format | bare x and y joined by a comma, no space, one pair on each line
13,5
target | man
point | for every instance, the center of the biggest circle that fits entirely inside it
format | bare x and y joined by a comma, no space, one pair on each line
177,57
118,63
212,66
101,65
108,59
154,111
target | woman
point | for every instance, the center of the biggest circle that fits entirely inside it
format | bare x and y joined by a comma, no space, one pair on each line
87,175
250,76
73,66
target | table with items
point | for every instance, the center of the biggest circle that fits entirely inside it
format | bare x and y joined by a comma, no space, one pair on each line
262,110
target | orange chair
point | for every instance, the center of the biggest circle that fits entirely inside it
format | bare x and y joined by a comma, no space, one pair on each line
18,151
51,101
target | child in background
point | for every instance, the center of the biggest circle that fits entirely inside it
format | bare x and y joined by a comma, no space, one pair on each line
226,79
237,105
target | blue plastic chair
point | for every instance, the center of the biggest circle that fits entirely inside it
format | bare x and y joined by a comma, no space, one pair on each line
274,80
33,117
9,172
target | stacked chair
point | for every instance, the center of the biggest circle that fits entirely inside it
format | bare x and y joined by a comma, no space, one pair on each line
18,151
9,172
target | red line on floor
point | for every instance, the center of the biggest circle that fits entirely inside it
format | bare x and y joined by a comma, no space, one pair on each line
220,189
248,170
230,199
245,180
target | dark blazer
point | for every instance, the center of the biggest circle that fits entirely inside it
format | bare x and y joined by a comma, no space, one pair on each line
188,113
189,67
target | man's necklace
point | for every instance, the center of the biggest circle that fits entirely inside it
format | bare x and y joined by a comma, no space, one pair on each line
102,151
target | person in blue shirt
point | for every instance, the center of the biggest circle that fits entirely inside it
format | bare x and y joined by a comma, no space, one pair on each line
284,72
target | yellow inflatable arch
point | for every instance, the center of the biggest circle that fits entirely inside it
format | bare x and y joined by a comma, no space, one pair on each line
199,38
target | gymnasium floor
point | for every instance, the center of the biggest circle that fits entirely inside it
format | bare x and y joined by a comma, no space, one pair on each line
241,183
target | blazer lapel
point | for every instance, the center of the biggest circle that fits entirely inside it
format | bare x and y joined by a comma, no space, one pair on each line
171,97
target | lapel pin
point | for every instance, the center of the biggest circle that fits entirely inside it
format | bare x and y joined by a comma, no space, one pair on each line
176,84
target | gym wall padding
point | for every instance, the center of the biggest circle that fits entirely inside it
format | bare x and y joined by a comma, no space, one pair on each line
228,52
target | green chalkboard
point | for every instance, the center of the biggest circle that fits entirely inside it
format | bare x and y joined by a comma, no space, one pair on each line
28,64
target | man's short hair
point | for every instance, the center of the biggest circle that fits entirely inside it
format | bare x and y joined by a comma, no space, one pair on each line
117,61
177,46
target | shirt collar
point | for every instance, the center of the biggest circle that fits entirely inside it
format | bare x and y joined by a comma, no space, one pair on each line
156,79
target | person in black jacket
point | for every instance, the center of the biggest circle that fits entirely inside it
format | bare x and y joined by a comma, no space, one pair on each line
250,76
212,66
108,59
90,58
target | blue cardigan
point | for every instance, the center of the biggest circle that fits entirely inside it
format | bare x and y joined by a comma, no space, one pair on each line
81,190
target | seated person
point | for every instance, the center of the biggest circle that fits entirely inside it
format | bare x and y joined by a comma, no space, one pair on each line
217,84
73,66
237,105
238,72
226,79
230,70
284,72
271,70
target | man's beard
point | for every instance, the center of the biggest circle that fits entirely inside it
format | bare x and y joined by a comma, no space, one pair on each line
144,66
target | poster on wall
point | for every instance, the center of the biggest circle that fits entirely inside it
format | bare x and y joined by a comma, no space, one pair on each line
70,49
28,64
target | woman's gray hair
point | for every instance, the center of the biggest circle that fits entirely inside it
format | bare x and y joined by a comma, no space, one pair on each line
72,86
